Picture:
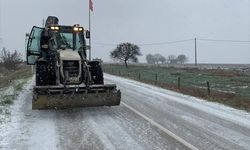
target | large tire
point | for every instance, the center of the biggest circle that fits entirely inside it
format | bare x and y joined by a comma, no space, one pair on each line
51,68
46,71
96,73
41,73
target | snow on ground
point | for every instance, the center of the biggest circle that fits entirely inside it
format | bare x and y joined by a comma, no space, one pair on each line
11,122
200,122
120,128
238,116
7,95
24,128
99,128
4,110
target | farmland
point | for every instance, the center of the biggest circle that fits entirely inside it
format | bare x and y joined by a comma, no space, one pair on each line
227,86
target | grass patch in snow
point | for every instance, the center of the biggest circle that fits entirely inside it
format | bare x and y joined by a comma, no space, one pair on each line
8,76
11,83
7,100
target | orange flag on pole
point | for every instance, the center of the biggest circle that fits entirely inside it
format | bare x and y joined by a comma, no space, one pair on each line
91,5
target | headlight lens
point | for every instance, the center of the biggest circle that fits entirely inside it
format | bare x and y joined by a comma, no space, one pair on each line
54,28
76,29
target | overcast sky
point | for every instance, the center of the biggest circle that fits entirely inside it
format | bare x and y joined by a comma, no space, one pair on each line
141,22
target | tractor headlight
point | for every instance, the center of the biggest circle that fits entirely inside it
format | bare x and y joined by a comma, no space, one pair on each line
80,29
77,29
54,28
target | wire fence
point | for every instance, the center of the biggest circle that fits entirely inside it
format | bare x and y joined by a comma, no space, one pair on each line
215,84
174,81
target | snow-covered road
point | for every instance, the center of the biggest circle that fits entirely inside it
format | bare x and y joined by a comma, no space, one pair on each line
202,124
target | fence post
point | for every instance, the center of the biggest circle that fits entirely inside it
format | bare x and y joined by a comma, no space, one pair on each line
139,77
112,71
208,88
119,72
179,83
156,78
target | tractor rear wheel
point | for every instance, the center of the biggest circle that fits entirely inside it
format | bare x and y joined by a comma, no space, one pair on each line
41,73
96,73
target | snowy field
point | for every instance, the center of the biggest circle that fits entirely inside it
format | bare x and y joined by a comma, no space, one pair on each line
203,124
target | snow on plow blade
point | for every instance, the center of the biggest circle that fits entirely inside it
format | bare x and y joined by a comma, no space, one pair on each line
60,97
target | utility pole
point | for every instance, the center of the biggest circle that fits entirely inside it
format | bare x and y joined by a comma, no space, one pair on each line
195,49
1,39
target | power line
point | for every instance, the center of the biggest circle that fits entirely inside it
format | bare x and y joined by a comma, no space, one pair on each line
217,40
173,42
104,44
166,43
145,44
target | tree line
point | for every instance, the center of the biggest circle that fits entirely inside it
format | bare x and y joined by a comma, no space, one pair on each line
126,52
171,59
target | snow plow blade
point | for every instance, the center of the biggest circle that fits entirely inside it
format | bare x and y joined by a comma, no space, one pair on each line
61,97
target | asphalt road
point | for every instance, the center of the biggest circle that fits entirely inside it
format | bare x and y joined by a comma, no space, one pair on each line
148,118
203,124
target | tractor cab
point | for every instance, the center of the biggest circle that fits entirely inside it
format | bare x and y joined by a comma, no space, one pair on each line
55,38
66,37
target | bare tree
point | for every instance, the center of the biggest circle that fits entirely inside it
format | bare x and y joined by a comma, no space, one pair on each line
172,59
162,59
155,59
159,58
182,58
10,59
150,59
126,52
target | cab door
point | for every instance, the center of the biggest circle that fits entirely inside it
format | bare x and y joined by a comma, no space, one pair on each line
33,45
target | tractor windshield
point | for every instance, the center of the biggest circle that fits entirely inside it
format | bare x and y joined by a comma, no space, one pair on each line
65,40
68,39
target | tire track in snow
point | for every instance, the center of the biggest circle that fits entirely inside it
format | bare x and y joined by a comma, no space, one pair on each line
179,139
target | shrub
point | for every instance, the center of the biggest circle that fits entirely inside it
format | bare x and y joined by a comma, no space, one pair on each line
10,60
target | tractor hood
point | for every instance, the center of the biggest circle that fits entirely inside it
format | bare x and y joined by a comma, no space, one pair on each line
69,55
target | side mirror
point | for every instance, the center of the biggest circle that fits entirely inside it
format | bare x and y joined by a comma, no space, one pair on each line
87,34
27,35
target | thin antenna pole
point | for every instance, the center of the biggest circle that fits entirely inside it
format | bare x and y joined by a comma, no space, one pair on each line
1,39
43,23
195,47
89,32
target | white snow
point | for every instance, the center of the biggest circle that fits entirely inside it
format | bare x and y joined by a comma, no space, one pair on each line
105,130
43,135
35,129
231,135
11,127
239,117
25,130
